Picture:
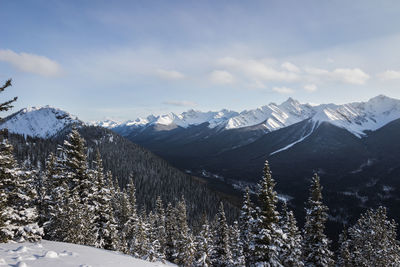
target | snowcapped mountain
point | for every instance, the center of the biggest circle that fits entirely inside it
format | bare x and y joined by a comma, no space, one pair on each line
356,117
272,116
359,117
42,122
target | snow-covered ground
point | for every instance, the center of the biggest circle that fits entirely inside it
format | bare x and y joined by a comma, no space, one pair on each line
50,253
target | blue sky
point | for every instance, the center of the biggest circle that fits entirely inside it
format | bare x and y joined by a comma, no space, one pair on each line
124,59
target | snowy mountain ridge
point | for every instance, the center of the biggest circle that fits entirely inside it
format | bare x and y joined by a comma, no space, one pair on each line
42,122
356,117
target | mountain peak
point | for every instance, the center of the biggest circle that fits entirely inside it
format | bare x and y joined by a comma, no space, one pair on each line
42,122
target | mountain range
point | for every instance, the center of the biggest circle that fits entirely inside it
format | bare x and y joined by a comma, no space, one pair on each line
354,147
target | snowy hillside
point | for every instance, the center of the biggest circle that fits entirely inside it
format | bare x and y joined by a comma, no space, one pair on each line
39,121
50,253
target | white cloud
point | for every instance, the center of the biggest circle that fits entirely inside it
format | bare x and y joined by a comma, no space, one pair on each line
221,77
180,103
344,75
170,74
31,63
257,70
283,90
290,67
389,75
352,76
310,87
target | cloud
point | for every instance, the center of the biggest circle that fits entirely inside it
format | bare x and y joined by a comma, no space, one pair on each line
257,69
180,103
221,77
283,90
352,76
310,88
344,75
31,63
389,75
290,67
169,74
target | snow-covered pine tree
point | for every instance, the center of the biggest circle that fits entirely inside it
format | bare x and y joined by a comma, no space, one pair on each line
106,226
56,203
204,245
372,241
236,245
79,206
171,231
141,247
344,257
268,237
159,225
246,225
222,254
130,228
185,250
291,254
19,214
155,251
316,250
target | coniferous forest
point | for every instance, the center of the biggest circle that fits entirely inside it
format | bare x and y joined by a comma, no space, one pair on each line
72,197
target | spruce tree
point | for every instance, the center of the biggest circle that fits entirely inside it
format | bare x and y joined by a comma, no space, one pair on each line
344,256
316,250
371,241
19,213
105,224
291,255
171,230
184,244
159,225
58,200
204,245
268,235
79,205
222,254
246,225
236,245
130,227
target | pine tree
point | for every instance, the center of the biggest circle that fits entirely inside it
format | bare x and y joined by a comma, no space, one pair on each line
268,235
8,104
246,225
316,245
57,202
204,245
79,205
19,213
171,230
371,241
344,257
236,245
130,228
106,226
222,254
184,241
159,225
141,247
291,254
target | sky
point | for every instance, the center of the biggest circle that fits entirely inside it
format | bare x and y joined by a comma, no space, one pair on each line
126,59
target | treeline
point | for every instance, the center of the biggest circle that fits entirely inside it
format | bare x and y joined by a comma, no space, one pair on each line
71,202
